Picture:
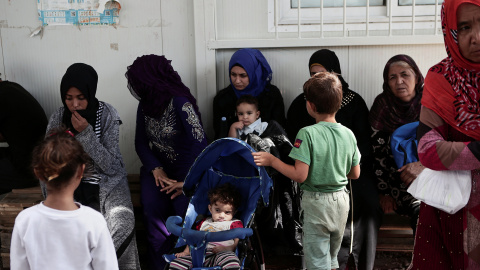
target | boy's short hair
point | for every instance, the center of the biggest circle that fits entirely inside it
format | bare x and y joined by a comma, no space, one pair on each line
226,194
324,90
249,99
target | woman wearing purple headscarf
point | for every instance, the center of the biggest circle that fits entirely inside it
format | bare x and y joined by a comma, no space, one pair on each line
398,104
168,138
250,74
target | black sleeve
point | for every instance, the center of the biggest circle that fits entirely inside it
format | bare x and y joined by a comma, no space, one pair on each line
271,105
297,117
224,106
361,128
22,122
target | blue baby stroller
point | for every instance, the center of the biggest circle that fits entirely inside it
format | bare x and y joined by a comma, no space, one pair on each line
225,160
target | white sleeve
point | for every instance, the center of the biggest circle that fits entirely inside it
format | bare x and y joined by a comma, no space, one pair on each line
18,253
104,255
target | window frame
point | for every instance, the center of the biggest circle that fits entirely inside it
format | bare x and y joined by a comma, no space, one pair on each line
356,17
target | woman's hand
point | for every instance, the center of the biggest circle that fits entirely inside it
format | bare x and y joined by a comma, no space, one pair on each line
161,178
175,188
263,158
78,122
387,203
410,172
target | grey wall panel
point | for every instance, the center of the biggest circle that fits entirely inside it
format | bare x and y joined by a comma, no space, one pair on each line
146,27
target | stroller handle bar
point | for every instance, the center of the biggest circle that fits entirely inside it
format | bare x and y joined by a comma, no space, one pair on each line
199,238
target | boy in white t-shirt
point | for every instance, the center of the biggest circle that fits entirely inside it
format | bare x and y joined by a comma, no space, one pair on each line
224,202
60,233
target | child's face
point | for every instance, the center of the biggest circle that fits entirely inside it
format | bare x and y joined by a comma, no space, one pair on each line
247,113
221,212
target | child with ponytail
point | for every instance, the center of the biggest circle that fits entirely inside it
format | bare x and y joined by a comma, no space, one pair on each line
60,233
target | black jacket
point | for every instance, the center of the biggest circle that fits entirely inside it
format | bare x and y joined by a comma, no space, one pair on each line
22,122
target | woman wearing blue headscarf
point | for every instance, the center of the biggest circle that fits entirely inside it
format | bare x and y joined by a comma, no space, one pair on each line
250,74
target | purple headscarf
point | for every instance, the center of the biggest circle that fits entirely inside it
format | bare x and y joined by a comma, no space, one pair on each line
153,81
389,112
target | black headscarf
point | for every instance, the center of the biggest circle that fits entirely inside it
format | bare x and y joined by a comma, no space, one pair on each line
329,60
84,78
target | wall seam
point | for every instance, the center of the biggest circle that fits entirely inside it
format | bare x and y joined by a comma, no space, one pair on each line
3,55
161,28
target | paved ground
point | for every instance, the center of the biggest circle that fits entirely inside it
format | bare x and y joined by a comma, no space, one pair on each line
392,260
383,261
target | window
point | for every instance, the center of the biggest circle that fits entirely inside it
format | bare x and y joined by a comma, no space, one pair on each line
333,3
353,17
422,7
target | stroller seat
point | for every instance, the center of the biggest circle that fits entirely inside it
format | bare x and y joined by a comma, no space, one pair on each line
226,160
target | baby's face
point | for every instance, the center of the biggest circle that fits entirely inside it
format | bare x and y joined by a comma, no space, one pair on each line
247,113
221,212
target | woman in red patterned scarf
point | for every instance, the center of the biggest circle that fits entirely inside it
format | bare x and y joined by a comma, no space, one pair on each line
449,135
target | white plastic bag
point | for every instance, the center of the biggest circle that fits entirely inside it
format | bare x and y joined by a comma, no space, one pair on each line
448,191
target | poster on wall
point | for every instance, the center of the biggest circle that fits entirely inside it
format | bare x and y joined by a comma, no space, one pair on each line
78,12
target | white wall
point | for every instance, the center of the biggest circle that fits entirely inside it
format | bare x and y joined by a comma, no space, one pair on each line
169,27
146,27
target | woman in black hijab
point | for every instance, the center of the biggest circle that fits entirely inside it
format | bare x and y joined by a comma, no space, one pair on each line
84,78
353,114
96,126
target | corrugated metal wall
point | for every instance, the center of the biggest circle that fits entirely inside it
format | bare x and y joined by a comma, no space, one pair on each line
168,27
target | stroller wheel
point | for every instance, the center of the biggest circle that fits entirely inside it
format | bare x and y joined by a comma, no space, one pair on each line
253,252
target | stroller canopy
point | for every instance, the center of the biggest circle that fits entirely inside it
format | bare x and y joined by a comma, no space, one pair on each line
226,160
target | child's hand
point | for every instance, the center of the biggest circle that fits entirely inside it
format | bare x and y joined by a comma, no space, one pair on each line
232,132
237,125
182,254
218,249
263,158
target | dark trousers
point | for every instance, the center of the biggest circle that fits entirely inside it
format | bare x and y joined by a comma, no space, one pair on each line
10,177
157,207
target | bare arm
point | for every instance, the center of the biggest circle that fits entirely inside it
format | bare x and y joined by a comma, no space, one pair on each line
354,172
232,132
297,172
217,249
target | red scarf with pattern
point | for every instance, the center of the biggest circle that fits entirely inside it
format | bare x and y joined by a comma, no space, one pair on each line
452,86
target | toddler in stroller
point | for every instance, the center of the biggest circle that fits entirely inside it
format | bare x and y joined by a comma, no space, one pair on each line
224,200
226,160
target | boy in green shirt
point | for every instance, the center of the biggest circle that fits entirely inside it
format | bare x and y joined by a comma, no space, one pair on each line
325,155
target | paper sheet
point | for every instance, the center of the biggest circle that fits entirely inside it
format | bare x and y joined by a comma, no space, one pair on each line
81,12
